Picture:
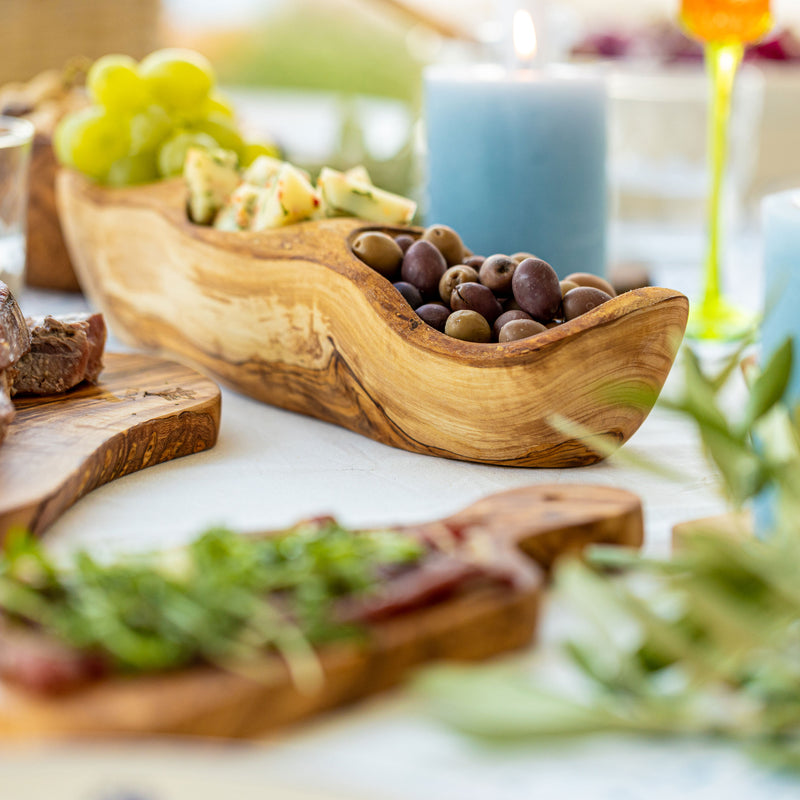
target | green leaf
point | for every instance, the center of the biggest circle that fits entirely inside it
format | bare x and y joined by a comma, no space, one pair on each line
700,396
733,363
770,386
608,446
494,704
740,467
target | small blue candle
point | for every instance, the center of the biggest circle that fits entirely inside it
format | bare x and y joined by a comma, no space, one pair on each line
517,162
781,216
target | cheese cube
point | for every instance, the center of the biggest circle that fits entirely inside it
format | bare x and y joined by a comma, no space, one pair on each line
210,176
359,199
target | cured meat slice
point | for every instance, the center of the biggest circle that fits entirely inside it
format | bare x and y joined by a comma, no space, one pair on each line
41,664
64,352
6,406
15,341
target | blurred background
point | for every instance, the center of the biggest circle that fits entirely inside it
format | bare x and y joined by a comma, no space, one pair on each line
340,81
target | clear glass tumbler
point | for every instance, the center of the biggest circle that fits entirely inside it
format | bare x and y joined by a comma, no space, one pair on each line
16,136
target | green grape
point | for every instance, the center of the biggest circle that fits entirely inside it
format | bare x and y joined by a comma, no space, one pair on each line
222,130
149,128
63,135
113,82
178,79
253,150
214,106
218,104
91,140
133,169
172,153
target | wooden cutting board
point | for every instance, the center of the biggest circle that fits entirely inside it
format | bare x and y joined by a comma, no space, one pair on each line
530,525
144,411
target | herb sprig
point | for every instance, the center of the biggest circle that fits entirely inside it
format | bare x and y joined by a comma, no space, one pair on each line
705,642
224,598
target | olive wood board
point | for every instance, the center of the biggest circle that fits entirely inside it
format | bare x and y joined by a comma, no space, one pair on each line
293,318
530,525
734,525
143,411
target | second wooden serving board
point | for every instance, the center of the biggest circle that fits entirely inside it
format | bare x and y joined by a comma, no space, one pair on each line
531,526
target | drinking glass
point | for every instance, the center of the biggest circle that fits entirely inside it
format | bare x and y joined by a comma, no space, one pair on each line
15,151
724,27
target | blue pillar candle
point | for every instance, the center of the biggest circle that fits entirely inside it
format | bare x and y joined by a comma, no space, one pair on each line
517,161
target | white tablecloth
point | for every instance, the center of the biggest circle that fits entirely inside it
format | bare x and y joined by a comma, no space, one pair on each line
272,467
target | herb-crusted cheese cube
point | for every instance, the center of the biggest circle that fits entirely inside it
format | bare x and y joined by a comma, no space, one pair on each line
364,200
263,171
210,176
359,173
292,199
241,207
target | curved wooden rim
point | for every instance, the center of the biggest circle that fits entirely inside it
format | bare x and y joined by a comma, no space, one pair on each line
167,198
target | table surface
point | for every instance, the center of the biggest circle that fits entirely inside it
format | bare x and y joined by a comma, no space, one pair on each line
271,467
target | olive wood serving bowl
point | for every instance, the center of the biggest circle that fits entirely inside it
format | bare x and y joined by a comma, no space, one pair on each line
291,317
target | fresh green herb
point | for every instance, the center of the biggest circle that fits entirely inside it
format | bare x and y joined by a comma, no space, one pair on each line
705,642
223,598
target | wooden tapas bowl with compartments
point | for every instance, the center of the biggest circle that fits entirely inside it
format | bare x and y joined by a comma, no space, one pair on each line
293,318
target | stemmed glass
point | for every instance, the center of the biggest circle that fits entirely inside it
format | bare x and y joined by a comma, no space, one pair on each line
724,27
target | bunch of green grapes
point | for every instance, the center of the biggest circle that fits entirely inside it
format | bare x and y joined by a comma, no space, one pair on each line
144,117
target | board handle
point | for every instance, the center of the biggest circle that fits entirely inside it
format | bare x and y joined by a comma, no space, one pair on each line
549,520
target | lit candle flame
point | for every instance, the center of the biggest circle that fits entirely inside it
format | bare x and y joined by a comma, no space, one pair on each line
524,35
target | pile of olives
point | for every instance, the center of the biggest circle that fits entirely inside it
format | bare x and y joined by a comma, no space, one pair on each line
497,298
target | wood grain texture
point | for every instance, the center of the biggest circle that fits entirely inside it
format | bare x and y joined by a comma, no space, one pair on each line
143,411
48,265
475,625
293,318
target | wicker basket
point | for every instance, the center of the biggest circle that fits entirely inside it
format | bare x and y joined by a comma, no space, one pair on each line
40,34
48,34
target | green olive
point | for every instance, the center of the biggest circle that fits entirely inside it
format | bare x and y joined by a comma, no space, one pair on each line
455,276
447,242
379,251
583,299
469,326
519,329
566,286
595,281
